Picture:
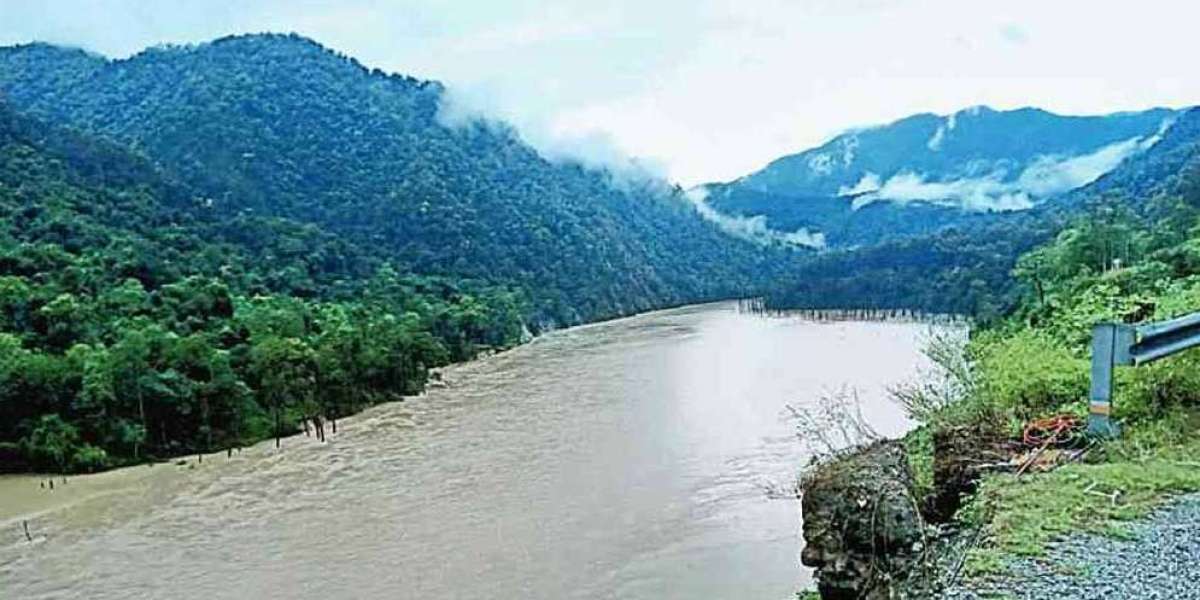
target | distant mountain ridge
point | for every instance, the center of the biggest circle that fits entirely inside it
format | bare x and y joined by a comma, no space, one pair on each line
966,267
927,171
975,143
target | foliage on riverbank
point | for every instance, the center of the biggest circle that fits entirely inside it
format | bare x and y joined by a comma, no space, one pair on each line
1125,262
134,325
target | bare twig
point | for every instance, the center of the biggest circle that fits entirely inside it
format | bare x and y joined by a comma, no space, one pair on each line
833,423
952,378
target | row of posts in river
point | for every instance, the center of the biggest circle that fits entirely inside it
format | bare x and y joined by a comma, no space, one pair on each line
758,306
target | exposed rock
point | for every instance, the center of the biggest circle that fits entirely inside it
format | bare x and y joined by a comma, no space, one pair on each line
863,529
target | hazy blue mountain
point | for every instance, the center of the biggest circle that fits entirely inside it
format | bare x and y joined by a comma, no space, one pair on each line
926,171
966,267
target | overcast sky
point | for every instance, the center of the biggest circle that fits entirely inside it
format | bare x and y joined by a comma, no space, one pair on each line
707,89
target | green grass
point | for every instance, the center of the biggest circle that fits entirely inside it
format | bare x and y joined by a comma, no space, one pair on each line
1022,515
918,448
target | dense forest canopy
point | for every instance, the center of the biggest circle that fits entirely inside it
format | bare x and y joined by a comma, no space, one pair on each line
135,323
277,125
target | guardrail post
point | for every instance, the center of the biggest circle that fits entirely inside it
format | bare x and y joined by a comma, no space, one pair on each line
1104,339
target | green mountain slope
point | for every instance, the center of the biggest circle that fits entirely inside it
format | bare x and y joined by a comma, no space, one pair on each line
137,322
280,126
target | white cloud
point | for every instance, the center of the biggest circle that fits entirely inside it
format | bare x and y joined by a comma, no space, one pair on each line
869,183
820,163
1051,175
945,127
981,193
1014,33
849,146
1162,130
754,228
593,149
1044,177
935,142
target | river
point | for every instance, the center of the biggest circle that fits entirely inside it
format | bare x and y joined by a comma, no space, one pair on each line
626,459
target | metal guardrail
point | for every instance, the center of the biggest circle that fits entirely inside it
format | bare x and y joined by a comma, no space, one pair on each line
1120,344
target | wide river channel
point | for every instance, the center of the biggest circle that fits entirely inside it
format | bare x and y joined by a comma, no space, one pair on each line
629,459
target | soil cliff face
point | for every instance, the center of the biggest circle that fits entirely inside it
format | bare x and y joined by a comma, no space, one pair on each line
863,528
958,454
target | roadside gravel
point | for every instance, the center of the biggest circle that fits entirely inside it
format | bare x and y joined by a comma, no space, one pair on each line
1161,561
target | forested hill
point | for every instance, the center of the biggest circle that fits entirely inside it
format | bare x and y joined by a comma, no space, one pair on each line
135,322
967,268
276,125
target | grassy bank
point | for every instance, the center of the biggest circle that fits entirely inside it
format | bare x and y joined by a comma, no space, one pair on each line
1021,515
1033,364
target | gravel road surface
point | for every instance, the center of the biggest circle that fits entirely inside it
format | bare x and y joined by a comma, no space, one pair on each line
1162,561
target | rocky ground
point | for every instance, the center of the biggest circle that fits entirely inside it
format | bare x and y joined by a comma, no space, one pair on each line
1160,561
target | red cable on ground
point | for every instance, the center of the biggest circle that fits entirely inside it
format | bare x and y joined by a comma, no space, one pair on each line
1052,430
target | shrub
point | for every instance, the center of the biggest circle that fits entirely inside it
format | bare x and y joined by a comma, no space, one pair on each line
1150,391
89,458
951,382
1029,374
52,443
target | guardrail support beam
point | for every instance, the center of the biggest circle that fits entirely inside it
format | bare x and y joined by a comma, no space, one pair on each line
1119,344
1104,341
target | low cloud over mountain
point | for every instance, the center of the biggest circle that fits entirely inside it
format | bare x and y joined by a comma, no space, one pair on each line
977,160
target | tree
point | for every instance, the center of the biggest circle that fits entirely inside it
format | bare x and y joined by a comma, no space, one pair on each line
286,367
52,442
132,375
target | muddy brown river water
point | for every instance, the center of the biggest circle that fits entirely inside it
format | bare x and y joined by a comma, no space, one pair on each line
626,459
